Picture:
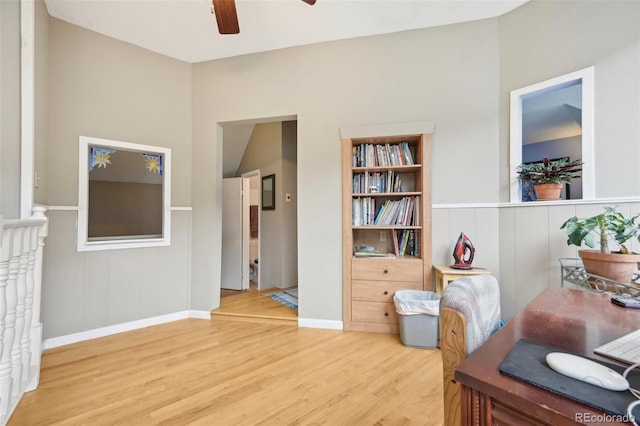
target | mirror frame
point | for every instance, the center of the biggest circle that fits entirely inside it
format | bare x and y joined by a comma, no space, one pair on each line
83,243
268,195
586,75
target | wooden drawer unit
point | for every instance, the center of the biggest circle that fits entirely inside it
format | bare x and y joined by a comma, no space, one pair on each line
374,312
373,285
380,291
387,269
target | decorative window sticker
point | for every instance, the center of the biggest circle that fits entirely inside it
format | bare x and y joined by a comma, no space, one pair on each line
100,157
153,163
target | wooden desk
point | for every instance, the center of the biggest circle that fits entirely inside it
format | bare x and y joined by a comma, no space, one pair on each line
446,274
572,320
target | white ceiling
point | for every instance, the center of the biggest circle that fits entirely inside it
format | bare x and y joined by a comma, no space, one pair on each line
553,114
187,30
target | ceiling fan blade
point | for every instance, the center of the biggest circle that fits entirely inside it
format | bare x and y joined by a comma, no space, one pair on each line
226,16
310,2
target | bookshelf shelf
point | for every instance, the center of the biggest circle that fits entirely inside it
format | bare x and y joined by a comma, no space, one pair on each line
385,194
386,227
386,224
400,169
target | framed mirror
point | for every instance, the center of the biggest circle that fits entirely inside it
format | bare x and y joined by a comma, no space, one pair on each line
269,192
124,195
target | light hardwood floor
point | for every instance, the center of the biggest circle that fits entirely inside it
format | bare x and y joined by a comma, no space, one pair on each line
254,306
225,292
200,372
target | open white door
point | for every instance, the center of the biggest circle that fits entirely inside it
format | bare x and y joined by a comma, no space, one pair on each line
232,234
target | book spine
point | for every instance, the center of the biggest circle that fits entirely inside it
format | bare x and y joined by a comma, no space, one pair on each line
372,211
409,219
381,213
379,156
366,183
407,153
396,248
399,219
412,243
355,206
405,240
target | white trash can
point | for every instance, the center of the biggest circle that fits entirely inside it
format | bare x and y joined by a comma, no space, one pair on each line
418,314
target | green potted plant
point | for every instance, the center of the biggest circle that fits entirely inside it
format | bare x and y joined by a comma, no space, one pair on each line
605,228
549,176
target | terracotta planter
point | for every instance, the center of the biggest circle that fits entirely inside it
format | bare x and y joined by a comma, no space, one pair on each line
614,266
548,191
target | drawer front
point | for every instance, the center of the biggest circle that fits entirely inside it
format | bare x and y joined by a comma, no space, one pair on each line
387,269
380,291
384,313
502,415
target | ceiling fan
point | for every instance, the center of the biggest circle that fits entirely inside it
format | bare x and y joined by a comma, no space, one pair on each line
227,17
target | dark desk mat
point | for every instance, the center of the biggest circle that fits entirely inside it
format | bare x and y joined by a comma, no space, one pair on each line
526,362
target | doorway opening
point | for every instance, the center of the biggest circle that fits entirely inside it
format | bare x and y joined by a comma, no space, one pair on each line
266,243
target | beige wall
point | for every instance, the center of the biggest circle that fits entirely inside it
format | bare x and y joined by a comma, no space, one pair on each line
91,290
10,109
101,87
41,132
434,74
458,76
542,39
104,88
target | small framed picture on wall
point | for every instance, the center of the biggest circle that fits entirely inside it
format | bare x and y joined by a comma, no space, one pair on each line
269,192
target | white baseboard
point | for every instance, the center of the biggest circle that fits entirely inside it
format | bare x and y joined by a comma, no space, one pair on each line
54,342
320,323
200,314
68,339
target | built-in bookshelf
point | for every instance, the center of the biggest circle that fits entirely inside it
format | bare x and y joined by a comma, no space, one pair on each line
386,223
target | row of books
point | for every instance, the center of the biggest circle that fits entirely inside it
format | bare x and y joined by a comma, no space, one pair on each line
388,181
406,242
404,211
399,212
363,211
381,155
